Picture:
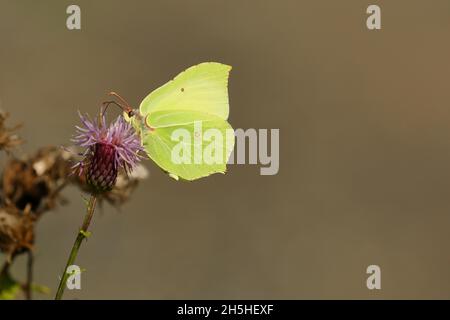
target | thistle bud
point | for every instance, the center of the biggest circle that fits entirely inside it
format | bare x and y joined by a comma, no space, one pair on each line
108,149
102,172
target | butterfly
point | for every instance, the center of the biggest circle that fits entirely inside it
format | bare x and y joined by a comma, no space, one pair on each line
183,124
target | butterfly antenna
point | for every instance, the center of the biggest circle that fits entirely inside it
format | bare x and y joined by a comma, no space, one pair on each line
123,105
127,108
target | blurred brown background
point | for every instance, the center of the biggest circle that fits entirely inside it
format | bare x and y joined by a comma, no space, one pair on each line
364,120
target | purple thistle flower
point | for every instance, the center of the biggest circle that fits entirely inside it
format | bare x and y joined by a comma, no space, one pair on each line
108,149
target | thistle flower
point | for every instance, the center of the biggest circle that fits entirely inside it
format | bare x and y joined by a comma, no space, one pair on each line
108,149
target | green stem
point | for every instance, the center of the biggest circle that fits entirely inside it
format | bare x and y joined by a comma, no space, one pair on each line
82,234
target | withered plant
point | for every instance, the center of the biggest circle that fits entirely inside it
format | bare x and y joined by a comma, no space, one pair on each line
32,185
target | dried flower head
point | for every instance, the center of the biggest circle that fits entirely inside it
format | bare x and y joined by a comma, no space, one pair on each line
108,149
36,180
16,231
8,139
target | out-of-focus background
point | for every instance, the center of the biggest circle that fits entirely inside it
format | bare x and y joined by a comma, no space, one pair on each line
364,119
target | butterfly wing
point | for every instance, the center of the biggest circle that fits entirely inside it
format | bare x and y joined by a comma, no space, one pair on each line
203,87
186,118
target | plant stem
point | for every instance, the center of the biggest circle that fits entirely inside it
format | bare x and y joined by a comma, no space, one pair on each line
82,234
5,268
29,283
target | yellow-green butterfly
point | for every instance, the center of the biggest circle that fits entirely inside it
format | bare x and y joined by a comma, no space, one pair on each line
186,119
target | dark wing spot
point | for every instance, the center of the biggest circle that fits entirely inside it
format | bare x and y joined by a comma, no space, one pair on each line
182,89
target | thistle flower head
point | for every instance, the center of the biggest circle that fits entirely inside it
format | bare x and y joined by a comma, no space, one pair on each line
108,149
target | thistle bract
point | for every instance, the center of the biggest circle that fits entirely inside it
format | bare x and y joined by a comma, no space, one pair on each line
108,150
